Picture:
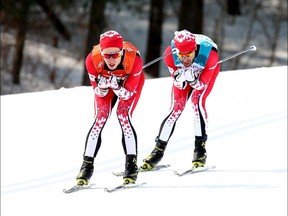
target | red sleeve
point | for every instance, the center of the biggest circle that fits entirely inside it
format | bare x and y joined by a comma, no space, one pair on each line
207,74
93,74
132,80
169,61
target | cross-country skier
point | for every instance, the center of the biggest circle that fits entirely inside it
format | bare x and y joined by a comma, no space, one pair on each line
194,69
115,71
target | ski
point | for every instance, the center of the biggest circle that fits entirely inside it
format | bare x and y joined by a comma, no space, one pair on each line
140,170
194,170
124,186
77,188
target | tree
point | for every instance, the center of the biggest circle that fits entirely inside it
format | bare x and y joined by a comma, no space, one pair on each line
96,26
233,7
20,12
154,36
22,17
59,26
191,16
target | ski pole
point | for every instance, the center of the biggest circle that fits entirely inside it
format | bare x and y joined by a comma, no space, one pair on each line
251,48
158,59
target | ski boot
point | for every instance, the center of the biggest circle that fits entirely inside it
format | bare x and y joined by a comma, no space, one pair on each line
156,155
199,156
86,171
131,169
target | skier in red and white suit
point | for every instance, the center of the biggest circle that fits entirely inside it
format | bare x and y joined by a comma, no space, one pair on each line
115,71
194,69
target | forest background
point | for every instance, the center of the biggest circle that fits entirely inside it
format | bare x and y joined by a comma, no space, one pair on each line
44,43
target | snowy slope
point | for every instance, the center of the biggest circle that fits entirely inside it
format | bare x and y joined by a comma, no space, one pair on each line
43,134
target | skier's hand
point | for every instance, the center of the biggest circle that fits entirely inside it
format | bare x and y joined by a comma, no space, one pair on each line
189,75
179,79
179,75
115,83
103,82
102,89
192,74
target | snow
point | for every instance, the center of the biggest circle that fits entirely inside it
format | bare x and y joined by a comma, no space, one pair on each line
43,135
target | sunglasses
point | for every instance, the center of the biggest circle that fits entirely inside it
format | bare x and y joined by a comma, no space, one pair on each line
189,54
113,55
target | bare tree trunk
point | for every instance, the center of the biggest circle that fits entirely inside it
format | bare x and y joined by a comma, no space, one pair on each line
233,7
250,26
154,36
277,28
52,73
191,16
96,26
54,19
20,41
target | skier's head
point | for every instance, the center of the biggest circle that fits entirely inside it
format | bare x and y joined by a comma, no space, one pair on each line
184,41
111,39
111,46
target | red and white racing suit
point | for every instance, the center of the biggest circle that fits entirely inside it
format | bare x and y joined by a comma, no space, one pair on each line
197,93
131,78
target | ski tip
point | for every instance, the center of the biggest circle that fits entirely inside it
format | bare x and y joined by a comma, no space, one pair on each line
107,190
68,191
78,188
176,173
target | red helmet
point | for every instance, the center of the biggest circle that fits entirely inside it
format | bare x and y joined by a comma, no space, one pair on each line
111,39
184,41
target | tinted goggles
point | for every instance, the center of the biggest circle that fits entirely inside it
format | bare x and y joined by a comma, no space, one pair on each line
182,55
113,55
